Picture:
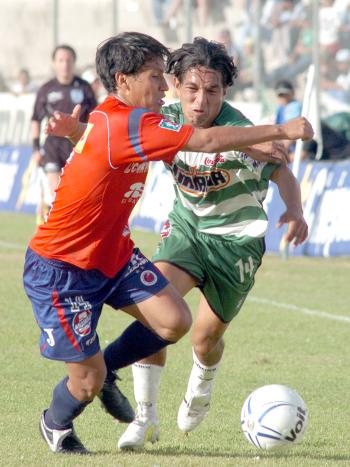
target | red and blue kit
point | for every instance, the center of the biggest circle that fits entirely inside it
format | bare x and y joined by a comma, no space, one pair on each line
87,232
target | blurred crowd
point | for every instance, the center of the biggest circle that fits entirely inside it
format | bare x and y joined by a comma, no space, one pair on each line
285,48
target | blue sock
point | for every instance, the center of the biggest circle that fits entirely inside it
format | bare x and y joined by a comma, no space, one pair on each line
64,407
135,343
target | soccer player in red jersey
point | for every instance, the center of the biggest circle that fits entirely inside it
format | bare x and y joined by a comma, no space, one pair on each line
82,256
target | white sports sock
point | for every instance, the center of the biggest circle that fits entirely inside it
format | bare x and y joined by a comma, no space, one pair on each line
146,386
201,378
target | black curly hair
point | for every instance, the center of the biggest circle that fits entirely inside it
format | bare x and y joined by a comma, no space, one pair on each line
127,52
201,52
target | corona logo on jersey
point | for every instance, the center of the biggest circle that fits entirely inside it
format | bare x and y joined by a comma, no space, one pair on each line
82,323
134,193
197,183
148,277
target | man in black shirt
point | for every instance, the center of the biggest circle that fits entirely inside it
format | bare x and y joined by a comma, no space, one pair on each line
60,93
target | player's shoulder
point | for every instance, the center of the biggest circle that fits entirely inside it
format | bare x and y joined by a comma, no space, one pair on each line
48,86
230,115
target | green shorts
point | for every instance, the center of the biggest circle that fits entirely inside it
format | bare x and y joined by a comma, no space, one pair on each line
224,268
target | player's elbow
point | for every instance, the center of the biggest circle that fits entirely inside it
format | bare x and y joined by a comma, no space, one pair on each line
203,141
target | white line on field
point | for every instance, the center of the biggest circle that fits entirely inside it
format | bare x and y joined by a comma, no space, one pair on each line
306,311
12,246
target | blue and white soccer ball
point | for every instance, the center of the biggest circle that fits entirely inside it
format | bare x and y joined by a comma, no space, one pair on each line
274,416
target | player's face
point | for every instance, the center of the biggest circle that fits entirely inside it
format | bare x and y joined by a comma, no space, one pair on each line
147,88
63,65
201,93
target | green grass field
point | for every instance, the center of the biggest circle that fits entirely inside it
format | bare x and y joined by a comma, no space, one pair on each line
293,330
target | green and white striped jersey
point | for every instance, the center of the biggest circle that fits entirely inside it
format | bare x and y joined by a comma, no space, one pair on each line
220,194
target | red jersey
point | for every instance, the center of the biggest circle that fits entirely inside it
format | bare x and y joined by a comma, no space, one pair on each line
102,181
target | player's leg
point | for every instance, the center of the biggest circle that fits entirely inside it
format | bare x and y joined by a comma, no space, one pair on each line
52,162
68,322
208,347
147,373
230,270
162,318
70,397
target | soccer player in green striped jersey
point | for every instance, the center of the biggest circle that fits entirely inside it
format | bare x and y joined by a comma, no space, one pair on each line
214,239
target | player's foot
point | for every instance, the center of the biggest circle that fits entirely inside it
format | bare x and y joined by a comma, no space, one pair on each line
62,441
143,429
115,403
192,411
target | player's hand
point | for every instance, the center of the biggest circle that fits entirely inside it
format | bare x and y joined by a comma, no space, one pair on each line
298,128
297,231
62,124
271,151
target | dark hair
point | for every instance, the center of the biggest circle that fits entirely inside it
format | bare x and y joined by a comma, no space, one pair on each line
64,47
127,53
205,53
284,87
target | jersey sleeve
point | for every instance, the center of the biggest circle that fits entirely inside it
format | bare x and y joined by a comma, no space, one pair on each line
39,111
229,116
153,137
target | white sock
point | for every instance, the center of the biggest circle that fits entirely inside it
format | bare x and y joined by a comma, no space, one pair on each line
201,378
146,386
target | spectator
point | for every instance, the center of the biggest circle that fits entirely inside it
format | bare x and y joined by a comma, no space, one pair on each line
159,9
23,84
335,145
225,38
3,85
288,107
300,56
338,86
330,22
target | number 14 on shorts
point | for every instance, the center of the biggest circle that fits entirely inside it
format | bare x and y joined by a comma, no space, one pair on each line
244,268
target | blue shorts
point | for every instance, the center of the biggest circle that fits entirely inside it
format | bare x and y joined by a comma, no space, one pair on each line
67,301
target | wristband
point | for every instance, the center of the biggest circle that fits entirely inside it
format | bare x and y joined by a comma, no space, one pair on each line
36,144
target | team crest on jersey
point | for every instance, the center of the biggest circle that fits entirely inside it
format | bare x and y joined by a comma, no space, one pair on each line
77,96
82,323
168,125
199,183
166,230
148,278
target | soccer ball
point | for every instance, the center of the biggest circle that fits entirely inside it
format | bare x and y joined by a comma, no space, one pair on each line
274,416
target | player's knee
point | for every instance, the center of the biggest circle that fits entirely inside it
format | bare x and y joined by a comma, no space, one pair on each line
209,344
178,327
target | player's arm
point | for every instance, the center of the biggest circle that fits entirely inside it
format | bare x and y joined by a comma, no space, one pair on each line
221,139
289,190
36,141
